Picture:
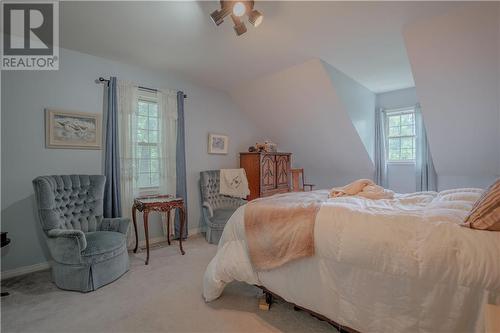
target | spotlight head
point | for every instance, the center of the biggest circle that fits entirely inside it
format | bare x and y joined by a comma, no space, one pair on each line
218,16
239,27
255,18
239,8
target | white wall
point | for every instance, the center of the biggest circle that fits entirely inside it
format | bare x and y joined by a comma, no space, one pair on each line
401,176
26,94
303,112
455,60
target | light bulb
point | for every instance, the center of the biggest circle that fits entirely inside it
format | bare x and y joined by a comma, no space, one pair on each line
239,9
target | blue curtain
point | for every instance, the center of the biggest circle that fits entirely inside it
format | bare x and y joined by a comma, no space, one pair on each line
181,186
424,167
112,206
379,154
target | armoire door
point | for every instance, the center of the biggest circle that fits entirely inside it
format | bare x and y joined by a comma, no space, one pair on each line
282,169
268,172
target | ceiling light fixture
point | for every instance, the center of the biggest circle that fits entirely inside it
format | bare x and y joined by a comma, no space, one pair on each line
237,10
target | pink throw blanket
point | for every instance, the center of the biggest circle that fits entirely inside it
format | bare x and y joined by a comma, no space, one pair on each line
281,228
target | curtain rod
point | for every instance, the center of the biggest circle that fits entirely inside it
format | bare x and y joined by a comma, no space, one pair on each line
101,79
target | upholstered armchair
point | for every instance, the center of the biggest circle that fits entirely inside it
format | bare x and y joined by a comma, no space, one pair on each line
216,208
88,251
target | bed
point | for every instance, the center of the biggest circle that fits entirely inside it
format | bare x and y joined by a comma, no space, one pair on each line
399,265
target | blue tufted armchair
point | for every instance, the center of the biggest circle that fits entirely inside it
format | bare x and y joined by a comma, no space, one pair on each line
217,208
88,251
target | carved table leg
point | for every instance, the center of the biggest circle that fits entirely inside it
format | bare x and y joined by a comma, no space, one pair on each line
182,218
168,227
134,210
145,215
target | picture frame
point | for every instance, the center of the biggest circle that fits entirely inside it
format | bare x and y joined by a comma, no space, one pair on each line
72,130
218,143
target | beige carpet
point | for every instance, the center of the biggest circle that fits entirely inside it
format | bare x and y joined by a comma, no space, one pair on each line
164,296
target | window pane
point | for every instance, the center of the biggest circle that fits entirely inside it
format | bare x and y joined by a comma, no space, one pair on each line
153,136
407,143
153,123
394,155
154,152
394,121
394,148
143,151
394,131
142,122
394,143
407,119
142,136
407,130
144,165
143,108
155,165
144,180
155,179
153,110
406,154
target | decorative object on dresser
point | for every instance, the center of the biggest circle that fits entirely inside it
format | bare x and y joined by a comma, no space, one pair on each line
267,173
298,181
217,143
266,147
162,204
72,130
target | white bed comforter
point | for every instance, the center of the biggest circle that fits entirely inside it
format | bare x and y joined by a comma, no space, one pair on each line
400,265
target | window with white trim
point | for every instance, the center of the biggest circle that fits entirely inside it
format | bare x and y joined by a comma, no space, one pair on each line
148,134
400,135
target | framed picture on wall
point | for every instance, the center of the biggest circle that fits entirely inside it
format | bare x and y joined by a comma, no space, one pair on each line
217,143
72,130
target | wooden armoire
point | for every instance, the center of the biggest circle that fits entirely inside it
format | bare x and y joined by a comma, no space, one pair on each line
267,173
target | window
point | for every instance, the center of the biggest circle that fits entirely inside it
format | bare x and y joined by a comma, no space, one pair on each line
147,149
400,129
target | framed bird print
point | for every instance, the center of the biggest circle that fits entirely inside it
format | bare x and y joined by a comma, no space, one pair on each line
72,130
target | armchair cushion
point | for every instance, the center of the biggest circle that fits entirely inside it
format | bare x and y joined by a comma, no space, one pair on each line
102,245
221,216
66,245
209,209
117,224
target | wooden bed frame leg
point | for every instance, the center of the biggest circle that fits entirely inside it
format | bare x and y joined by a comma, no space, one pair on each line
269,298
265,301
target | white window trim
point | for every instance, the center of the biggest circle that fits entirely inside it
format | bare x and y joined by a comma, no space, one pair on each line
392,112
147,96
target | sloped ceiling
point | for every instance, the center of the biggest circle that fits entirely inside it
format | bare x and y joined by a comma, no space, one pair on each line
363,39
303,112
358,102
455,62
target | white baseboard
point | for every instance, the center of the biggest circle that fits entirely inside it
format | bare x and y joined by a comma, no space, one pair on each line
25,270
46,265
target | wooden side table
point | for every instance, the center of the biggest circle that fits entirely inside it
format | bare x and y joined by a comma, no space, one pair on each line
162,204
